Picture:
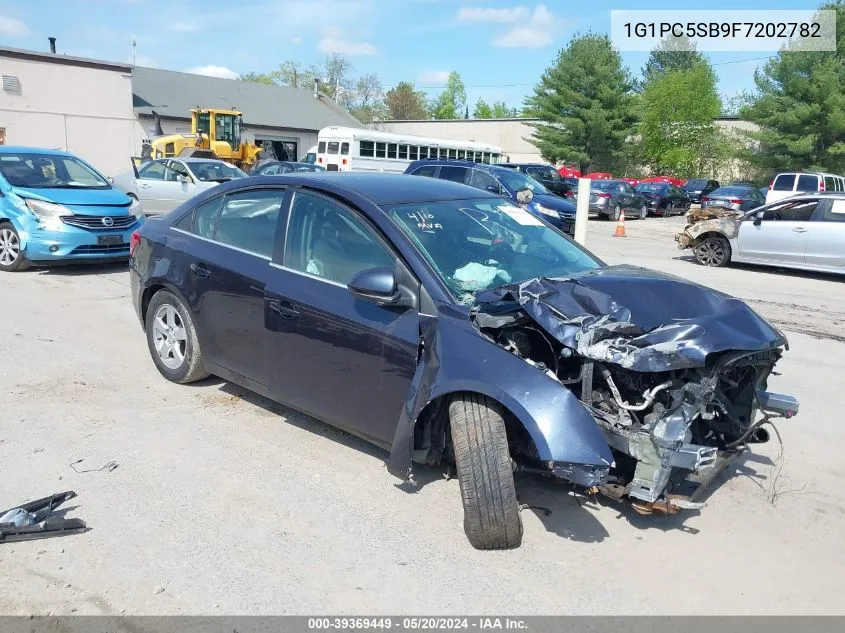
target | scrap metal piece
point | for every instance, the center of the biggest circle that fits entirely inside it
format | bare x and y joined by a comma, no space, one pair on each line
36,512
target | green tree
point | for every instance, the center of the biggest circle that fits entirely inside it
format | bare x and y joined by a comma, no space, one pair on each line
404,103
296,75
258,78
500,110
482,110
676,53
367,104
800,107
585,105
452,101
678,112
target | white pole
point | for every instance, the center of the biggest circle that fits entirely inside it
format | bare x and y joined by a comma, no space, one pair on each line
582,211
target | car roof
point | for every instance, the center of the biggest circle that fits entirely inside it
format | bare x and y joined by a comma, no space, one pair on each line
379,188
522,165
459,163
201,160
22,149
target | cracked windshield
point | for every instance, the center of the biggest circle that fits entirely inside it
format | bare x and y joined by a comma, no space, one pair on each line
477,245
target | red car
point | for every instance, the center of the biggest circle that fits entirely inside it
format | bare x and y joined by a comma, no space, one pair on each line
631,181
569,172
598,175
674,181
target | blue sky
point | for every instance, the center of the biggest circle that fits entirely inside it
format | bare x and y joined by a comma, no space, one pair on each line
500,48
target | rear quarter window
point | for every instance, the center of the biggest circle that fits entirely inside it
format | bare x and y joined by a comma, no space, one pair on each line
427,170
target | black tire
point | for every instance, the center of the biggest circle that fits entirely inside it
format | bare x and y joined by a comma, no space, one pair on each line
485,475
616,213
714,251
19,263
191,368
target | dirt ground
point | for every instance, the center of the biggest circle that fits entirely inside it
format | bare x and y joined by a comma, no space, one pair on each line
225,503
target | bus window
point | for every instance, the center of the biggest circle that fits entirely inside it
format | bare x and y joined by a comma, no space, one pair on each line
423,152
403,152
470,155
367,148
444,153
334,147
321,147
462,155
485,158
453,154
391,150
344,149
413,152
381,150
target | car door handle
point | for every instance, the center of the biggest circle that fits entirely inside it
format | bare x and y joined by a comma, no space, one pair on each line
799,229
144,186
284,309
200,271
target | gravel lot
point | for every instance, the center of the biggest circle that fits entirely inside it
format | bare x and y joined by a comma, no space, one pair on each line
224,503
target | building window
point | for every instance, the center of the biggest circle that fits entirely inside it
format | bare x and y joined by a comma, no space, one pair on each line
367,149
403,152
381,150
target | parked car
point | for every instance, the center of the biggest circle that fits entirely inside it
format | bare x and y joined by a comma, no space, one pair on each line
444,324
546,175
163,184
697,188
569,172
276,167
733,197
665,179
611,197
631,181
806,232
599,175
505,182
56,208
793,183
663,198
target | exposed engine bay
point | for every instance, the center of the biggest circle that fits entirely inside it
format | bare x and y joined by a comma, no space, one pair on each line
674,380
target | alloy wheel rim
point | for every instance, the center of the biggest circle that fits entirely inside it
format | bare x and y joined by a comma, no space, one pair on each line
643,212
711,253
169,337
10,247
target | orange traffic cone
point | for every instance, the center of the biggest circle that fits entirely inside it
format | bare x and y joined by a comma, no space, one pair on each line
620,226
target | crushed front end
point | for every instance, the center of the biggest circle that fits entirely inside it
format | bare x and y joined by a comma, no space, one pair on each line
674,374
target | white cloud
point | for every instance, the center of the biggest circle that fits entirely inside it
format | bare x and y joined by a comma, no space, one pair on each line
434,77
214,71
12,27
333,40
486,14
536,34
296,39
183,26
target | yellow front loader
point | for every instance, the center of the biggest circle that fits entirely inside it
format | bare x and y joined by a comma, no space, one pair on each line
214,134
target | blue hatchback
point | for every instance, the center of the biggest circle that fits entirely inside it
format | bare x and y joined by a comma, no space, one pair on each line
56,208
504,182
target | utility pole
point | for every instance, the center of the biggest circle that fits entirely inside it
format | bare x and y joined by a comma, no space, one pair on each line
134,48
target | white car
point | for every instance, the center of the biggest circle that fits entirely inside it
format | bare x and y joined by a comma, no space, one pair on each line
789,184
163,184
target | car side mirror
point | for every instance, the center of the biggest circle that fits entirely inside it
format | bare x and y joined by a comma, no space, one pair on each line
183,178
524,196
758,218
376,285
493,189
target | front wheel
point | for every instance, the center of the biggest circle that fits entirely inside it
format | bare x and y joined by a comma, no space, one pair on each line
485,475
617,213
713,251
12,258
643,212
172,339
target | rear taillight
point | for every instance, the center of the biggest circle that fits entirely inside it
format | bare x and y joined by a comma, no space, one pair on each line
603,195
705,198
771,184
821,185
134,240
319,159
735,201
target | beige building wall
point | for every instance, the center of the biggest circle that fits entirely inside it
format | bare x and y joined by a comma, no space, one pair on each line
87,111
509,134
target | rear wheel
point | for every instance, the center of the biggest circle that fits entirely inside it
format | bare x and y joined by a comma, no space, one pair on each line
488,492
643,212
617,213
172,339
11,254
713,251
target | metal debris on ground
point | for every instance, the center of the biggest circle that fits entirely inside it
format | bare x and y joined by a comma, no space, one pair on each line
32,520
109,466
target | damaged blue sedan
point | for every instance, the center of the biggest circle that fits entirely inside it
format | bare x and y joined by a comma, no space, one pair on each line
449,325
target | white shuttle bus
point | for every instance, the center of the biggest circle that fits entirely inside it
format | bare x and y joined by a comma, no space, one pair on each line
358,149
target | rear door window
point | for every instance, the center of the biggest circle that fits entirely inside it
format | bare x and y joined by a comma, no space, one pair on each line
203,219
834,211
427,170
333,147
455,174
807,182
784,182
829,183
248,220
